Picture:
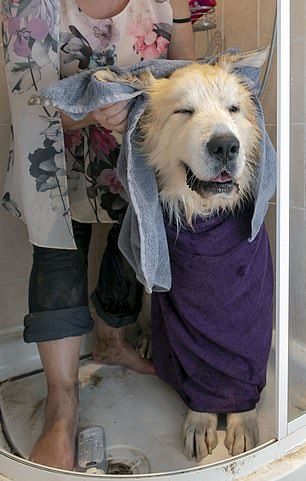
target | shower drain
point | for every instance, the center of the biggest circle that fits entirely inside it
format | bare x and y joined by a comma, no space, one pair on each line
118,468
125,460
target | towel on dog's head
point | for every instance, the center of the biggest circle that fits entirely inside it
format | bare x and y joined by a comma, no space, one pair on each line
142,238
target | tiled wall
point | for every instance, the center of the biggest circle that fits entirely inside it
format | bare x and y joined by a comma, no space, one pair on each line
243,23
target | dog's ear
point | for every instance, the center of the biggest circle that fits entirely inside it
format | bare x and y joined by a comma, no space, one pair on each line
255,59
141,81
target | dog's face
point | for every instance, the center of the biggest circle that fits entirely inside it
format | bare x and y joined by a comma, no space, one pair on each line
201,137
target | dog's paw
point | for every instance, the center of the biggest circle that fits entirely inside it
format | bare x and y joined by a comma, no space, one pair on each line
144,346
242,432
199,434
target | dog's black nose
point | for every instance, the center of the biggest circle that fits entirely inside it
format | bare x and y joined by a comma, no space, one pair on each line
224,147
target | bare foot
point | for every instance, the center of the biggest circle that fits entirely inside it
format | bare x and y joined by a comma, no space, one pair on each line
112,348
56,444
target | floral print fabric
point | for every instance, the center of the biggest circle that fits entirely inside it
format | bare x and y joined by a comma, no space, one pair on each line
51,176
85,42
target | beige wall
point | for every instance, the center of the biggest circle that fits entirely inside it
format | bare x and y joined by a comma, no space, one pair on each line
243,23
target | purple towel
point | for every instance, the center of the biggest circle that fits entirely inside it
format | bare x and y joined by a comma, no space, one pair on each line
211,334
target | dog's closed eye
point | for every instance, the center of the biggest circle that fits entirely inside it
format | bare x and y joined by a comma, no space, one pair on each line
189,111
233,109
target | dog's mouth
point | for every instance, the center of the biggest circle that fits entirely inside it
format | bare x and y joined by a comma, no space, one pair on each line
222,184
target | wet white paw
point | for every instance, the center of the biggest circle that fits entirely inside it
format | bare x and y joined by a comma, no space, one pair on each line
199,434
242,432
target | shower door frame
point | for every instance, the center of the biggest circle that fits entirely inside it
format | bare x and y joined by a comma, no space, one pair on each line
282,215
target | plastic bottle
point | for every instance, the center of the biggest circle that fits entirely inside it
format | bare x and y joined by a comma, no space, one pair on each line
91,450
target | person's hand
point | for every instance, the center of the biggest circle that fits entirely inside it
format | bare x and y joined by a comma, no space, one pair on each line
112,117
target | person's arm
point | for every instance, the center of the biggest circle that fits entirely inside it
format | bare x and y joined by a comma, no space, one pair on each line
182,43
112,117
70,124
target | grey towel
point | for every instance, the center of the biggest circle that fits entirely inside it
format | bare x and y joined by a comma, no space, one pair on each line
142,239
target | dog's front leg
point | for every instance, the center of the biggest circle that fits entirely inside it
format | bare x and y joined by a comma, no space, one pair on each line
242,432
199,434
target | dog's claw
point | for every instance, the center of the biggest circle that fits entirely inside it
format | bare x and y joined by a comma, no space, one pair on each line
144,347
242,432
200,434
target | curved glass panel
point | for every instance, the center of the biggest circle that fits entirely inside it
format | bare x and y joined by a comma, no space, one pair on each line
297,286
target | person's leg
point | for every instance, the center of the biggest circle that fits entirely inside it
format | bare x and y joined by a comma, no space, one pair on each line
59,315
113,348
56,444
117,301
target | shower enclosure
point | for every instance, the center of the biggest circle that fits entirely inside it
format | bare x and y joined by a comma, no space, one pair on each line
282,452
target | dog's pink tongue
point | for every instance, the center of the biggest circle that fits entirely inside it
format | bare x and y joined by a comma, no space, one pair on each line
223,177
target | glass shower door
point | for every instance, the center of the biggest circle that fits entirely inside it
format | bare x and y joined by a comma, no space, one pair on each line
297,219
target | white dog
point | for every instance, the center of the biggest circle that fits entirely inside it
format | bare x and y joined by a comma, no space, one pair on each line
201,136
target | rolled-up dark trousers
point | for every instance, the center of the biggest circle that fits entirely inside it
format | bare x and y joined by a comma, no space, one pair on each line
58,289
